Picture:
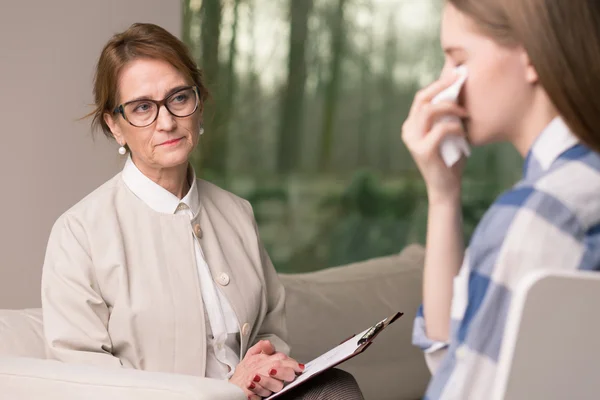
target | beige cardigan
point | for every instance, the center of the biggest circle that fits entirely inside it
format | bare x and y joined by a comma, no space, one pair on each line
120,284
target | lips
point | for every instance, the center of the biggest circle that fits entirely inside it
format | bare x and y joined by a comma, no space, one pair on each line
172,141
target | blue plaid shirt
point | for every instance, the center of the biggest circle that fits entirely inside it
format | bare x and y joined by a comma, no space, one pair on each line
550,220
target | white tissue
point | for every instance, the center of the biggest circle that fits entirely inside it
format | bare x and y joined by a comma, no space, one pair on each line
453,148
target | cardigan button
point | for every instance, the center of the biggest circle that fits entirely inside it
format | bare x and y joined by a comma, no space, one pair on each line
224,279
198,231
246,329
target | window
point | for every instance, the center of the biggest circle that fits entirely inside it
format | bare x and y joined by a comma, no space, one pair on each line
309,98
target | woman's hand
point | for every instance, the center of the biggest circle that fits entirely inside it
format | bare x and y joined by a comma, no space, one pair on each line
423,140
263,371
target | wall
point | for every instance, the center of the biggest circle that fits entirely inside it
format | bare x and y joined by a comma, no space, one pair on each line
48,159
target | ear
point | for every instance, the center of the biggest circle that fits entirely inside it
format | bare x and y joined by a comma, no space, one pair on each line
114,128
531,75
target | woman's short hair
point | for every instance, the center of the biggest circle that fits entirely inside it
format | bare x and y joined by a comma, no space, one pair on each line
562,39
140,40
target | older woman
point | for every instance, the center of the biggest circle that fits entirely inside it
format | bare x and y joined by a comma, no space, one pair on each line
157,270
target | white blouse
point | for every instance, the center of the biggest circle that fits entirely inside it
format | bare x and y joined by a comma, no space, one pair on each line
223,352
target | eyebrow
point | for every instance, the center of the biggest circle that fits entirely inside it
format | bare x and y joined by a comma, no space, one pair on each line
169,93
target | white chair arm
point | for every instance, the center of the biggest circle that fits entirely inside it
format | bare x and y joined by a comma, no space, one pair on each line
29,378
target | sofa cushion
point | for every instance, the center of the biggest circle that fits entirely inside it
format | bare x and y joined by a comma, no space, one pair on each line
325,307
22,333
28,378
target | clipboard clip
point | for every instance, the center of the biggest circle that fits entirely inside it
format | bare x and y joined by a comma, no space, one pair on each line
374,330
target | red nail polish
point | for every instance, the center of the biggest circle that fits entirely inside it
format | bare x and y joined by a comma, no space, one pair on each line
256,378
301,366
252,386
273,371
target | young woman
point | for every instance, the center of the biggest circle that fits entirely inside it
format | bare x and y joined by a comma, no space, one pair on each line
533,81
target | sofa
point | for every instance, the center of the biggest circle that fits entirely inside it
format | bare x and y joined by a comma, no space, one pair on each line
323,308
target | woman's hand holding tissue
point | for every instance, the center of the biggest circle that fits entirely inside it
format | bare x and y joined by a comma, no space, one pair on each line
424,130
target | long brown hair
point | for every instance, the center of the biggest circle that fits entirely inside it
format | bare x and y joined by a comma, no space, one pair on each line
562,39
139,41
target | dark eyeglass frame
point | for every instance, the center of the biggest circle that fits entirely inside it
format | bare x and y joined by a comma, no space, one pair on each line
120,109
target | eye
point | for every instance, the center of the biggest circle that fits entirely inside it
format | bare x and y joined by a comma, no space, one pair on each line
142,108
180,98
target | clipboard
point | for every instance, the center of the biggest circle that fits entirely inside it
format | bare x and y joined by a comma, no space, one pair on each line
349,348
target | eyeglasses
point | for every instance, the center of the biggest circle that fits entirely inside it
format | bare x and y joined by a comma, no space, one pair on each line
141,113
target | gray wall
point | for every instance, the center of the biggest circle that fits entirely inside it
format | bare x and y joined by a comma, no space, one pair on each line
48,160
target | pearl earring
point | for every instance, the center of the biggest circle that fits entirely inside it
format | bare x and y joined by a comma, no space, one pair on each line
122,150
201,129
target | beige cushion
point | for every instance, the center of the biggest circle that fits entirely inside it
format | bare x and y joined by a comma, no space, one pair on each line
22,333
325,307
29,378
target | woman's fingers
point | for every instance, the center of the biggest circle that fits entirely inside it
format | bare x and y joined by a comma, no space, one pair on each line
425,95
262,347
440,131
259,389
276,370
283,360
276,379
284,374
418,126
270,383
423,149
437,112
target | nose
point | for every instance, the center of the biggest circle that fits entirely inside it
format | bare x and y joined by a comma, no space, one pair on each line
446,70
165,120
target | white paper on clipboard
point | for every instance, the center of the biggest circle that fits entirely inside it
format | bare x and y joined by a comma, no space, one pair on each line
333,357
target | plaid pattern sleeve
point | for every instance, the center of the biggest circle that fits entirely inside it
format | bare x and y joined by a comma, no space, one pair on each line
550,220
